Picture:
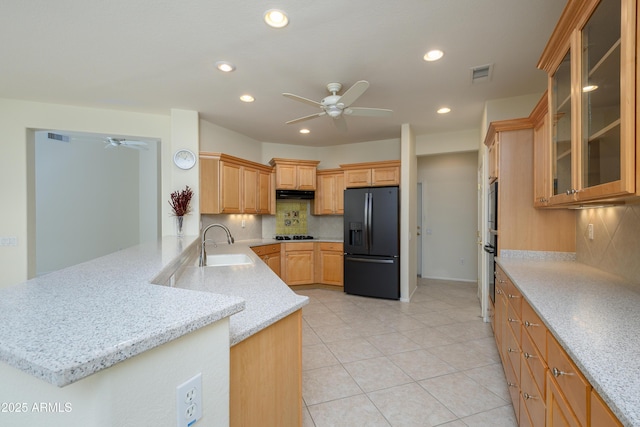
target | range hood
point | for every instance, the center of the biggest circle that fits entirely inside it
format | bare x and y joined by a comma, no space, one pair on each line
295,194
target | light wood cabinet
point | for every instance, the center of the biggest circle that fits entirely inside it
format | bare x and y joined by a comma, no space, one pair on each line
520,225
330,263
270,255
494,162
295,174
329,197
372,174
590,60
541,160
601,415
266,376
232,185
545,385
298,263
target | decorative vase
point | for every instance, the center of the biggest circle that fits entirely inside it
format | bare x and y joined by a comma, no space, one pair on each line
179,226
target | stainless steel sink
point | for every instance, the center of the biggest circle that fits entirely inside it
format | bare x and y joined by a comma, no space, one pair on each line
223,260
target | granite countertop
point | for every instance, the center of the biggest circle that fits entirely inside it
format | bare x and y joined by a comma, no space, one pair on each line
266,296
69,324
595,316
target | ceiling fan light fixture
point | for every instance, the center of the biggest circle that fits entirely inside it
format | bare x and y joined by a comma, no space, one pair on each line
247,98
433,55
276,18
225,67
333,111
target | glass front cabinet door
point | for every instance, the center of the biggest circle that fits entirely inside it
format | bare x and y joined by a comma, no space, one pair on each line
592,101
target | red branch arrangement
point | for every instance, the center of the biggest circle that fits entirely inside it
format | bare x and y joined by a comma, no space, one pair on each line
180,201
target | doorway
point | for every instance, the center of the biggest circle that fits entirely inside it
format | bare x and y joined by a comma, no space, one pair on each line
419,231
91,197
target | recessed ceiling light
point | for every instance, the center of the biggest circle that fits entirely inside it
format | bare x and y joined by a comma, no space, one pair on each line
444,110
433,55
247,98
276,18
589,88
225,66
305,131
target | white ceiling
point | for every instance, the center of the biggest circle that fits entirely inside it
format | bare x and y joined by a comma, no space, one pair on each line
154,55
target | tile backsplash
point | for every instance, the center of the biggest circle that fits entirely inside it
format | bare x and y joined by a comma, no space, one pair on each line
291,217
615,247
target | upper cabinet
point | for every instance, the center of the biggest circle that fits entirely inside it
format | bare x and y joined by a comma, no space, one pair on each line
373,174
232,185
295,174
329,197
590,60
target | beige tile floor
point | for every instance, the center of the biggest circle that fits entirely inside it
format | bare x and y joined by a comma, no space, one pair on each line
373,362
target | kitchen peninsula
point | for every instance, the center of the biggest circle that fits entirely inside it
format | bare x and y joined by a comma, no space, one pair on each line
101,340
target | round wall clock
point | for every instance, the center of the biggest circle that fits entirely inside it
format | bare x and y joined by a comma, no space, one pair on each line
184,159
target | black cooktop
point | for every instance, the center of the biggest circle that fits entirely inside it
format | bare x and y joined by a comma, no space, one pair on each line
294,237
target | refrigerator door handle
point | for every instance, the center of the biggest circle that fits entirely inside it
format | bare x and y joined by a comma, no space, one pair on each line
366,221
373,261
369,222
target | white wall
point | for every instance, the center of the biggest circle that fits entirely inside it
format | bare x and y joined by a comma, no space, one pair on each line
140,391
217,139
408,215
449,183
508,108
371,151
448,142
17,168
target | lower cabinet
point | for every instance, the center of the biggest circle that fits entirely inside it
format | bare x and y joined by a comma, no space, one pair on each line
330,263
305,263
266,376
298,263
270,255
546,387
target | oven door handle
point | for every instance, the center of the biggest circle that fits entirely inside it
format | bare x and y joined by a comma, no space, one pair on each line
490,249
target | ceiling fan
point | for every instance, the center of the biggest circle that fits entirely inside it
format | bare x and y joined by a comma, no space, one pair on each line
109,141
337,106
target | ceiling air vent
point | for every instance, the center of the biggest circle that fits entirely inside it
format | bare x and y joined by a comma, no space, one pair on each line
481,74
58,137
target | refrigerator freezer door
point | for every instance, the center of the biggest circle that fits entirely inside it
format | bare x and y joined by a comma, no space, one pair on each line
355,225
372,276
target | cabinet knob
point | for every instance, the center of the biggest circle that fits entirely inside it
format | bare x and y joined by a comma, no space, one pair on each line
557,372
527,324
513,296
571,191
528,355
527,396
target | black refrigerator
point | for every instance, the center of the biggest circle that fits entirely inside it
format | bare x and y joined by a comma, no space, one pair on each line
371,242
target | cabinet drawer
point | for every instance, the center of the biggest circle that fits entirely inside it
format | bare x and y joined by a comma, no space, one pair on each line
306,246
514,297
331,246
267,249
532,325
534,362
532,397
571,383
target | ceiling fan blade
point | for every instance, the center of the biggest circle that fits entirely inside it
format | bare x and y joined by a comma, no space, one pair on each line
301,99
354,92
130,142
302,119
367,112
340,123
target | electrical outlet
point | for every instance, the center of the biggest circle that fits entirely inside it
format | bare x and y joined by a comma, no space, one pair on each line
590,231
189,401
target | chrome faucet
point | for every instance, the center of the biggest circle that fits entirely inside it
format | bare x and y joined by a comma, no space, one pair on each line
203,250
